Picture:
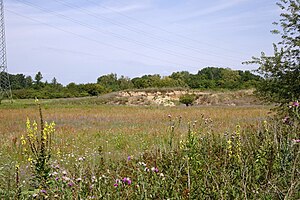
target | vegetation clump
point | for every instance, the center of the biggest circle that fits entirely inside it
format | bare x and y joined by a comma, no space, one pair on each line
187,99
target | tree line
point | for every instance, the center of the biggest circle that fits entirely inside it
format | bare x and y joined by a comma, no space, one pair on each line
212,78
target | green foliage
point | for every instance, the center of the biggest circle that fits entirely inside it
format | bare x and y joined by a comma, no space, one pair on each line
208,78
281,71
187,99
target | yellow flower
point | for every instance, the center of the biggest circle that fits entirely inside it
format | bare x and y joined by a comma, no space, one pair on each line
29,159
23,141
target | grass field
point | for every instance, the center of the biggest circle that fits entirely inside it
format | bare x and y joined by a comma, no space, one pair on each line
126,130
105,152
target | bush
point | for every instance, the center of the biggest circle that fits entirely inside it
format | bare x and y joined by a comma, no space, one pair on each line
187,99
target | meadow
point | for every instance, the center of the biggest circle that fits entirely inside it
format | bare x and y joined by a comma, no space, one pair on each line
135,152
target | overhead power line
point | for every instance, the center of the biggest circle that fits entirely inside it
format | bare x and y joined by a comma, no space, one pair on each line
161,29
166,51
133,29
93,40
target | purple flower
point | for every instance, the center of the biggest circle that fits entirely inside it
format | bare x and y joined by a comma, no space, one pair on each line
57,178
129,158
116,185
43,191
127,180
296,104
70,184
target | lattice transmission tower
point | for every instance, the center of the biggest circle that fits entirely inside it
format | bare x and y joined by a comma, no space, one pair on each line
5,88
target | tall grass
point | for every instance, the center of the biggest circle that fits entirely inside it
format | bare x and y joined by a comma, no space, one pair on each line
168,154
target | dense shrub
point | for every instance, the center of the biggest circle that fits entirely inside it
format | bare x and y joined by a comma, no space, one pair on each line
187,99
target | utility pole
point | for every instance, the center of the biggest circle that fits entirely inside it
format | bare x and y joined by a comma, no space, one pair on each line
5,88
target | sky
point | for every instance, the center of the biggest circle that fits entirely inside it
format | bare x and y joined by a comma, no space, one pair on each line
80,40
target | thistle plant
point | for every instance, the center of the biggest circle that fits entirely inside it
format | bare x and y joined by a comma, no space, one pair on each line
36,147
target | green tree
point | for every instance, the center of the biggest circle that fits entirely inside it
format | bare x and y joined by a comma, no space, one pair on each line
125,83
230,79
17,81
28,81
109,81
281,71
38,78
54,81
94,89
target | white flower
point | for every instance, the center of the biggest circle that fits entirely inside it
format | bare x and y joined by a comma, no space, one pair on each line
78,179
142,164
146,169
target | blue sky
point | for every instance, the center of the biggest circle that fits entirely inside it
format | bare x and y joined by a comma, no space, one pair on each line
80,40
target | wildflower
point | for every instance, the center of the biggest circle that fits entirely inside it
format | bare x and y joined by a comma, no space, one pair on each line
142,164
295,104
154,169
169,115
286,119
65,178
57,178
94,179
146,169
229,148
81,158
43,191
296,141
64,172
117,183
162,176
128,158
70,184
127,180
78,179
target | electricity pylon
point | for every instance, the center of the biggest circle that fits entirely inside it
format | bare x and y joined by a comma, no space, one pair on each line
5,88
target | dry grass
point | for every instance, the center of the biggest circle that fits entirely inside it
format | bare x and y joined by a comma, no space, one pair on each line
121,129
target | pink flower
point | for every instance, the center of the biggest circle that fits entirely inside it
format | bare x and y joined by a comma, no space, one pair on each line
116,185
295,104
127,180
296,141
